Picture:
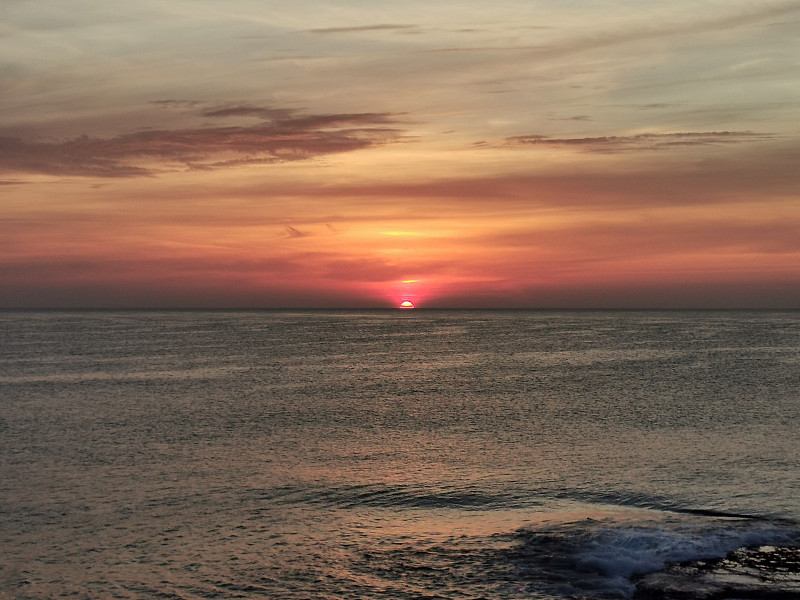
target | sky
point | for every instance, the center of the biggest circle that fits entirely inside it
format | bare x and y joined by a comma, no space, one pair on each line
361,153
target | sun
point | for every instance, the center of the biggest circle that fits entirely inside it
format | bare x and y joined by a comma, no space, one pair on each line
406,304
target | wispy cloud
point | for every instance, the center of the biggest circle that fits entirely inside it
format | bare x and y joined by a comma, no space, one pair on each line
654,106
361,28
683,27
751,171
187,104
282,135
248,110
293,232
642,141
573,118
643,31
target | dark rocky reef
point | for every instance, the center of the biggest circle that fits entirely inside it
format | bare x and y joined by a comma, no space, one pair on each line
756,573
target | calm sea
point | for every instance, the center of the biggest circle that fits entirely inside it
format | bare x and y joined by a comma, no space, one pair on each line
399,454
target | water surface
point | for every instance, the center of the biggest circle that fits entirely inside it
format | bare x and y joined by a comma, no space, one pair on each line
390,454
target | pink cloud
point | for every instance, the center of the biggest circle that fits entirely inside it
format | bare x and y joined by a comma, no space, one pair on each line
280,136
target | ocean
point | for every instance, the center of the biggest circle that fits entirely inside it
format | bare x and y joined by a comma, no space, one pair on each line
391,454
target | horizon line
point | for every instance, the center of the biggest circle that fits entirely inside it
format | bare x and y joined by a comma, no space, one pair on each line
389,308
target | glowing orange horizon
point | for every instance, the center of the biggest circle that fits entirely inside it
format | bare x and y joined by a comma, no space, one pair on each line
391,186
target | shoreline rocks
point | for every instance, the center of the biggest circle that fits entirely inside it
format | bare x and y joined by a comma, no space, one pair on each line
753,573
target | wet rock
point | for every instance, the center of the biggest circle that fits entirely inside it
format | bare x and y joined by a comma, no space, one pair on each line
757,573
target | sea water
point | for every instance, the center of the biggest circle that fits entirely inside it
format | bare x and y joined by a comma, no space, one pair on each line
399,454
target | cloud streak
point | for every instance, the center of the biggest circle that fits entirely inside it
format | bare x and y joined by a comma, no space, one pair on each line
362,28
281,136
642,141
642,32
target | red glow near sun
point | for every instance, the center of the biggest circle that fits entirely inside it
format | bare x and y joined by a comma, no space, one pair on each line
407,293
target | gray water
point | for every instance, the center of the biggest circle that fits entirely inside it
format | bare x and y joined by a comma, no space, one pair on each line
389,454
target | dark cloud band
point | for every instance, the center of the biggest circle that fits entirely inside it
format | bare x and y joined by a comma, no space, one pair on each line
282,135
643,141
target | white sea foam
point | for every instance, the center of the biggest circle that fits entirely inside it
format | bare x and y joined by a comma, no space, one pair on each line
618,553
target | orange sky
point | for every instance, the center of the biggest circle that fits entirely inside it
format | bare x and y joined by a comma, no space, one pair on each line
519,153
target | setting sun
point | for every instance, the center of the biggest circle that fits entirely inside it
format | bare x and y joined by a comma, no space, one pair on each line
406,304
